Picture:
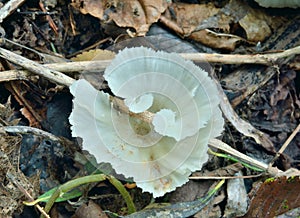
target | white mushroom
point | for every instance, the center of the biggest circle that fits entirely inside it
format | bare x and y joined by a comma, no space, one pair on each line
159,155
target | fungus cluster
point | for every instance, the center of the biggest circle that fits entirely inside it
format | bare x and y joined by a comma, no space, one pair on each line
159,153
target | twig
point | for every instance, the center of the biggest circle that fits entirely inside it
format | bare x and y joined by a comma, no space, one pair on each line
52,75
119,105
26,193
33,117
27,130
226,148
265,59
51,22
100,65
9,8
285,144
67,67
224,177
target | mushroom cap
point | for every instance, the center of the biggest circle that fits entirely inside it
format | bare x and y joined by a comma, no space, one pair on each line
159,155
180,93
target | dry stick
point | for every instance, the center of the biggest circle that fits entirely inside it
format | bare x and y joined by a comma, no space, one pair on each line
52,75
9,7
25,192
216,143
285,144
265,59
28,129
67,67
100,65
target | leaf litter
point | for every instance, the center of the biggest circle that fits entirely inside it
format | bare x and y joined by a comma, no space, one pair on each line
271,104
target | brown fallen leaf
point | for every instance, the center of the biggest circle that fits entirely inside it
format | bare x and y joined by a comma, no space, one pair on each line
137,14
198,22
89,210
256,25
217,40
274,197
95,54
221,28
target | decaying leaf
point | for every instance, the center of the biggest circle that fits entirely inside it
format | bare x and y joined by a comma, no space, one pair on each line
217,27
137,14
256,25
90,210
96,54
274,197
186,20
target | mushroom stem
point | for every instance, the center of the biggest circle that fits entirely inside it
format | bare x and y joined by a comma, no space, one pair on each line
119,105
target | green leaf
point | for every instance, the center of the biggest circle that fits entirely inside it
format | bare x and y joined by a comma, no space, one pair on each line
74,193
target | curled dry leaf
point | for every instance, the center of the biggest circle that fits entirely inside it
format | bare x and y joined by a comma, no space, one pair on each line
137,14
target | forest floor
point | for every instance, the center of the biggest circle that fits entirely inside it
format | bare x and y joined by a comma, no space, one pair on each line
252,52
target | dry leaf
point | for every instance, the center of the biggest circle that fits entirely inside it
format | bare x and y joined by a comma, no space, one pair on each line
89,210
217,40
188,16
216,27
137,14
95,54
274,197
193,21
256,26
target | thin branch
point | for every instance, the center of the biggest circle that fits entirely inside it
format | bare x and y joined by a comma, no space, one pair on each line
285,144
100,65
68,67
226,148
27,130
52,75
26,193
265,59
9,8
224,177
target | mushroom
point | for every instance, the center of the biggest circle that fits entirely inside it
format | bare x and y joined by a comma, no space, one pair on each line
158,153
